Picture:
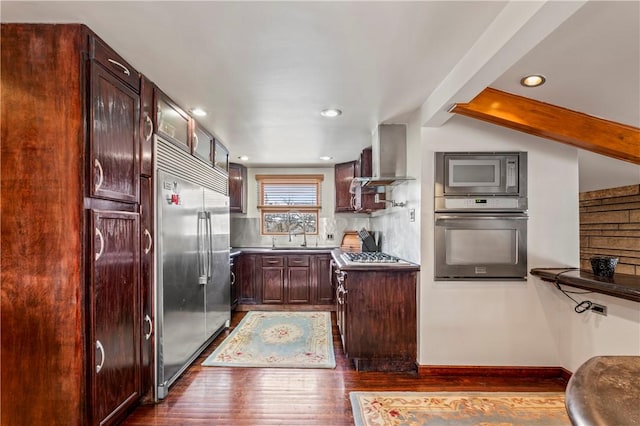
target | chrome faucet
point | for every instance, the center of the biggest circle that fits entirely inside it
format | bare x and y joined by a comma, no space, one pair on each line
301,221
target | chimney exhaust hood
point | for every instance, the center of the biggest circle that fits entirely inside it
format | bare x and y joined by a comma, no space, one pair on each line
389,156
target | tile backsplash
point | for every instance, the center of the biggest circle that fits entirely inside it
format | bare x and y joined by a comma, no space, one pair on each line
245,232
610,226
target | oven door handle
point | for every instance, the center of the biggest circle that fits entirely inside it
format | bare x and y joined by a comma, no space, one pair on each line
473,216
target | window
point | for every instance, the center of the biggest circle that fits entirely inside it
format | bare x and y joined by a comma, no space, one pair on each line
289,203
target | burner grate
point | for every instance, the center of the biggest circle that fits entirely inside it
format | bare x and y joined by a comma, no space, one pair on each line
371,257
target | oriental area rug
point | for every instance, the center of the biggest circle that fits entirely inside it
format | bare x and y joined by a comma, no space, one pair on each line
278,339
459,409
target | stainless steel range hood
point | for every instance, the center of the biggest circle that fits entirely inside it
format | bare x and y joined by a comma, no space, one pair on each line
389,151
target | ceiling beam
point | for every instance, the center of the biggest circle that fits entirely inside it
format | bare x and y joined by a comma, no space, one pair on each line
553,122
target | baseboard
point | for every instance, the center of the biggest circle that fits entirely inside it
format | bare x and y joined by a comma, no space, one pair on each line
494,371
273,307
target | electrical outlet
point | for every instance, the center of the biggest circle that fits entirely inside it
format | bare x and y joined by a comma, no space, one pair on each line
329,236
412,215
599,309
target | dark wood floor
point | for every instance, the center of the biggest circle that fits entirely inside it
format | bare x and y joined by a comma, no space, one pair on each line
275,396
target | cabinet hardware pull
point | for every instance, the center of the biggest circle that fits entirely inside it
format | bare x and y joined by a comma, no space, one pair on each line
195,141
125,70
147,249
97,164
101,349
149,123
99,235
233,278
147,319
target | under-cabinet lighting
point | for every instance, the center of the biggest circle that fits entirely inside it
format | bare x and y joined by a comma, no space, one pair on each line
326,158
533,80
243,158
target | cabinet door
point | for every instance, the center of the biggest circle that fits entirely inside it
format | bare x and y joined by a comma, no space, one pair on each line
298,282
246,279
272,277
221,157
237,187
114,115
344,174
233,283
202,144
324,287
146,285
172,122
146,127
115,314
367,197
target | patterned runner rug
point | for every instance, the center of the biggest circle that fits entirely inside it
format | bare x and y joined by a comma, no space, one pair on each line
278,339
459,409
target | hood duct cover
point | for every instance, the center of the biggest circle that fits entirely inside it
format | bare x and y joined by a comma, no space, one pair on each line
389,152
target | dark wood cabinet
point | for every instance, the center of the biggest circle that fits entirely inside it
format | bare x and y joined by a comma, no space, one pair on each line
323,283
147,126
115,302
344,174
147,287
173,123
237,188
113,136
233,282
377,318
298,280
70,306
367,195
272,275
203,144
246,278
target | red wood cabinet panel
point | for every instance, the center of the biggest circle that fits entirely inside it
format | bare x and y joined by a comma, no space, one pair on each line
115,302
146,127
113,136
237,188
146,286
344,174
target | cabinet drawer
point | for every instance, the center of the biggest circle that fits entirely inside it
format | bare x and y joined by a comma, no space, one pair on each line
302,260
272,261
110,60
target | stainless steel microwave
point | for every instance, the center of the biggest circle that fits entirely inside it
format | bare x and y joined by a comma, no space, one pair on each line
481,180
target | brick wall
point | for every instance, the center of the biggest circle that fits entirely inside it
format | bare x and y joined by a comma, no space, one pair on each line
610,226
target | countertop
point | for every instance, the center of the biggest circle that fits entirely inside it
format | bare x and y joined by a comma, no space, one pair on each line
235,251
623,286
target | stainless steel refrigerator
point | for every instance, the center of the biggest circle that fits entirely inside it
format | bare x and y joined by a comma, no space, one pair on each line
192,258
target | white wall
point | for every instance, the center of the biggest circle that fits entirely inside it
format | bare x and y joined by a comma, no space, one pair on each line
401,235
600,172
517,323
499,323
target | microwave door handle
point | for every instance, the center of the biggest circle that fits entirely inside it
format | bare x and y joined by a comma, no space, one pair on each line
474,217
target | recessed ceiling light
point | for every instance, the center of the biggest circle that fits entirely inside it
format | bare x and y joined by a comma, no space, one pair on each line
243,158
326,158
533,80
330,112
198,111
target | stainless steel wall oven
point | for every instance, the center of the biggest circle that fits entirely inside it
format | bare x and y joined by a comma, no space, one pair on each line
480,216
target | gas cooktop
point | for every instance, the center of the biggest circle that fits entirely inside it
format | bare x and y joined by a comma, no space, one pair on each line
369,257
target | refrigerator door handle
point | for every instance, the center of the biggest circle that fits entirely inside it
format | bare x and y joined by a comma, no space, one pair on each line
203,264
209,248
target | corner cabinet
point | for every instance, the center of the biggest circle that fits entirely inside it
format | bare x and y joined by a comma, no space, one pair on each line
70,228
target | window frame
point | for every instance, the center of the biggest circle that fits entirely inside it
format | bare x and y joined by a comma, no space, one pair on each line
266,209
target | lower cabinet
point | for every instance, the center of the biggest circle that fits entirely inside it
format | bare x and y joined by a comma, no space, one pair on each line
284,279
115,321
377,318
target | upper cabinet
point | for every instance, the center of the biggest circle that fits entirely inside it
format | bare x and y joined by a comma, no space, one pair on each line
147,128
173,123
114,112
221,157
237,188
354,198
202,146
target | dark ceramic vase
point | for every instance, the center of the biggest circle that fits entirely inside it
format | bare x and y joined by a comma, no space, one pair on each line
603,266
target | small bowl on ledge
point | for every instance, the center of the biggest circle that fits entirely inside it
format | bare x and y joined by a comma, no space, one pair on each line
603,266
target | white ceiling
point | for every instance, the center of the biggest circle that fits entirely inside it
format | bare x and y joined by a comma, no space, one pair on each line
264,70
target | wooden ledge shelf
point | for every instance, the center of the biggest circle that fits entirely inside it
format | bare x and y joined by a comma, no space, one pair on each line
623,286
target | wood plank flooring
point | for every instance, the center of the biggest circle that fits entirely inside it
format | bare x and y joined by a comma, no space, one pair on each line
274,396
